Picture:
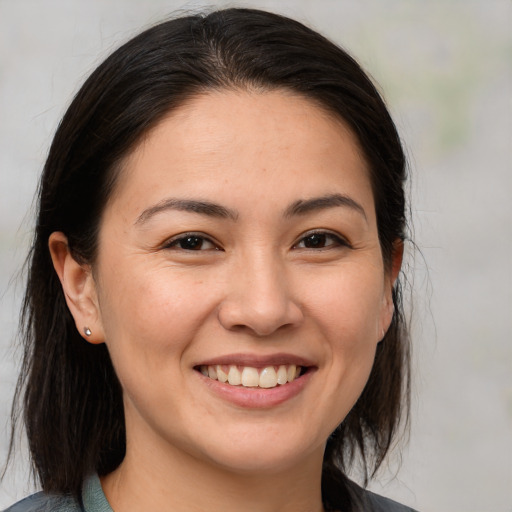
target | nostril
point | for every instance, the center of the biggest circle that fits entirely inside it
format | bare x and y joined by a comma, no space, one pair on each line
240,316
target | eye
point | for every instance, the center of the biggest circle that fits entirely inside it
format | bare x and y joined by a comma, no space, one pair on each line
191,242
320,240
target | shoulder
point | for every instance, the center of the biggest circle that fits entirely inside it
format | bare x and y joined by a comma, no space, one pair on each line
377,503
341,493
93,500
41,502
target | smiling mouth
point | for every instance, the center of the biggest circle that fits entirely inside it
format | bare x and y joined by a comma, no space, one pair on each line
251,377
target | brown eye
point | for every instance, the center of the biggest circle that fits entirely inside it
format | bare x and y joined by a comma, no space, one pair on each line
315,241
191,243
320,241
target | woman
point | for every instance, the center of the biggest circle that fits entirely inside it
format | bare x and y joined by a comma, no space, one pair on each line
213,316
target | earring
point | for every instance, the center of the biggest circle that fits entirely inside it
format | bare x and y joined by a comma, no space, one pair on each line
87,331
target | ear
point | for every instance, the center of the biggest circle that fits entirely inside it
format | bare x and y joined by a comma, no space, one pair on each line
390,279
79,289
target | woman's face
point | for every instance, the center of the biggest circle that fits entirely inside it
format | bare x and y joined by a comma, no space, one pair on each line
241,244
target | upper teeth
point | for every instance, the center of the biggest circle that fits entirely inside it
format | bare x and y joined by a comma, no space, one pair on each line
268,377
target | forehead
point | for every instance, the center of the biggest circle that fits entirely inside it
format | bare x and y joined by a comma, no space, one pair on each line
228,140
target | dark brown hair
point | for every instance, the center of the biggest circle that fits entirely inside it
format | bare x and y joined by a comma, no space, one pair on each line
71,398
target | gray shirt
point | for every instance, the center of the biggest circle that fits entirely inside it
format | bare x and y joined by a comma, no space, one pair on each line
94,500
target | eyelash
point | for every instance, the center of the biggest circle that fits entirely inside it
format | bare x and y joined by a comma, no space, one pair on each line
338,241
322,236
174,243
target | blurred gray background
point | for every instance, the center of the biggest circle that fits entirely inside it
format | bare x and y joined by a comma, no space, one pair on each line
446,71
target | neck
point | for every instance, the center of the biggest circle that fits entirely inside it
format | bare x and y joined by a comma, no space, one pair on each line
178,482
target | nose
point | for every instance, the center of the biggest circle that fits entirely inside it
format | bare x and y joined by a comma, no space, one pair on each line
259,298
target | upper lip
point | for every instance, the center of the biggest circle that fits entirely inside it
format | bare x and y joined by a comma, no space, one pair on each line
257,360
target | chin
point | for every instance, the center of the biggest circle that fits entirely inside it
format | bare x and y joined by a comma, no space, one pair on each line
255,461
268,450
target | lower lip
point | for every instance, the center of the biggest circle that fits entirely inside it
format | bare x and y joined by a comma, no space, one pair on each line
257,398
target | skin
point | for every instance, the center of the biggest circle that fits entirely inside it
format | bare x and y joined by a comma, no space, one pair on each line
256,286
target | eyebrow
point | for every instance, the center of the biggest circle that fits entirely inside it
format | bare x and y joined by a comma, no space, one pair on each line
297,208
188,205
303,206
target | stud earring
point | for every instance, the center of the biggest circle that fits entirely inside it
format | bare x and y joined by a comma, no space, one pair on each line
87,331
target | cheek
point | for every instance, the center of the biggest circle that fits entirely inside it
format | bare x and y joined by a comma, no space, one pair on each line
348,311
151,322
349,304
150,314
